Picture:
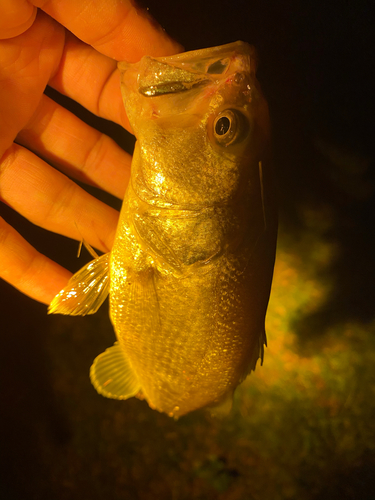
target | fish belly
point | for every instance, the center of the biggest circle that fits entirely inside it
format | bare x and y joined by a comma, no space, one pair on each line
189,338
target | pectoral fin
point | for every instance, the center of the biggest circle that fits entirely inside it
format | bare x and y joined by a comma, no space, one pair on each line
112,376
86,290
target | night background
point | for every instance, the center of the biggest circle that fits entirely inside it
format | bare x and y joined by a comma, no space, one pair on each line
303,425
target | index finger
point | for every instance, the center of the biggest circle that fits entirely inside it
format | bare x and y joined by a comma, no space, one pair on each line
116,28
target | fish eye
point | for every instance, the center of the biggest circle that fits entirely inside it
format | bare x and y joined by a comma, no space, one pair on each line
222,125
229,126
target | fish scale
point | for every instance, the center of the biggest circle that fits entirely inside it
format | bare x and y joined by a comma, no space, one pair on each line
191,267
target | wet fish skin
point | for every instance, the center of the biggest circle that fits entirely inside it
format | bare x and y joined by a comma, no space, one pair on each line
191,267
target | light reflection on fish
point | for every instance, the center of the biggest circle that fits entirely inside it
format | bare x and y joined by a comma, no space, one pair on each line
190,271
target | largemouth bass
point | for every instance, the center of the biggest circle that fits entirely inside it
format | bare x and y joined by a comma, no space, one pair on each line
190,271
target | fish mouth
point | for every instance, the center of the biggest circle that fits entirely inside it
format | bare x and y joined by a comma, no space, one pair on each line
215,60
158,76
172,87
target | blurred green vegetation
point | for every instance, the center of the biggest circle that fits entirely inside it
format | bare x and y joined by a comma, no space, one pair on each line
301,427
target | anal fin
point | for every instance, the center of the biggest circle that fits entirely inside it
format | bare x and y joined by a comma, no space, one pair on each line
112,376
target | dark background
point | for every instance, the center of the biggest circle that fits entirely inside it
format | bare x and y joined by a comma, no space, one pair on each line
59,440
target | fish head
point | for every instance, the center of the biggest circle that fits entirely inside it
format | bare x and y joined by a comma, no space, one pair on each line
201,123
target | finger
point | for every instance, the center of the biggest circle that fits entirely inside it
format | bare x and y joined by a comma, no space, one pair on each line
16,16
26,65
28,270
77,149
91,79
116,28
49,199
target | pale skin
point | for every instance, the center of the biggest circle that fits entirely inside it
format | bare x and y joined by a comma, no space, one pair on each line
37,50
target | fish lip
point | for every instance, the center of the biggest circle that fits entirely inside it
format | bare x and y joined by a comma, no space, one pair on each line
197,65
231,50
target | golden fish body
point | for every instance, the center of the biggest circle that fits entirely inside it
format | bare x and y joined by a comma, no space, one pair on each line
191,267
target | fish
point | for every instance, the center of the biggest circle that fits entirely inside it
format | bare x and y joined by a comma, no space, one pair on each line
190,271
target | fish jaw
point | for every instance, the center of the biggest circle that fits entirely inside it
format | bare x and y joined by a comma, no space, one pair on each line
175,125
188,79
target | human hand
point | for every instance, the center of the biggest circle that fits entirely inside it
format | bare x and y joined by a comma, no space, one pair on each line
35,50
